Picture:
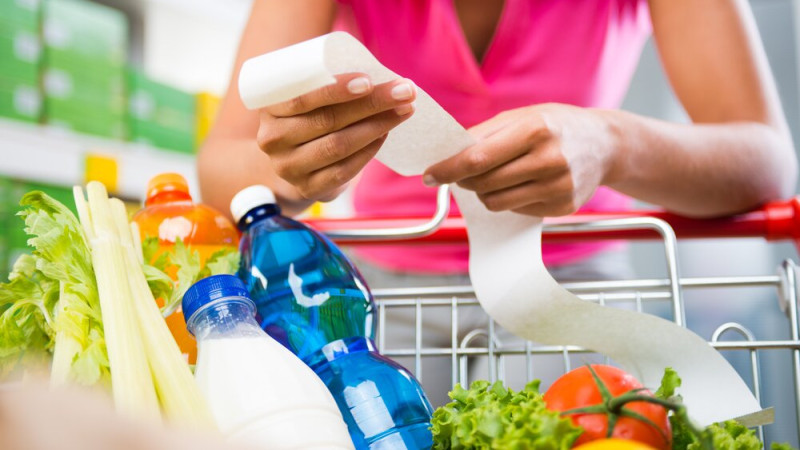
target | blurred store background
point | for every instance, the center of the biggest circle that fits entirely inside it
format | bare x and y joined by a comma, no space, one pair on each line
119,90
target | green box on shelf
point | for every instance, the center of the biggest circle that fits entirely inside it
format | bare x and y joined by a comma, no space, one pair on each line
20,55
160,104
95,31
7,210
16,237
23,12
20,100
87,120
9,27
108,95
19,71
164,138
7,220
77,63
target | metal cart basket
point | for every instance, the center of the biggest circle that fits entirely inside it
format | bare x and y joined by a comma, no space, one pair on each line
746,349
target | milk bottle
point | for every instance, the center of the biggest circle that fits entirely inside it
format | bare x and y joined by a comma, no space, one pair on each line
259,392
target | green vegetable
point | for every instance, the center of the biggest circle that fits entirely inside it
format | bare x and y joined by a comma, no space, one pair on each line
179,396
133,387
80,307
26,308
489,417
189,270
728,435
50,304
784,446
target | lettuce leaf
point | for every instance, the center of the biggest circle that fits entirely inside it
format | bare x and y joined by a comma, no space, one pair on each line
781,446
728,435
186,266
222,262
489,417
50,303
26,308
62,254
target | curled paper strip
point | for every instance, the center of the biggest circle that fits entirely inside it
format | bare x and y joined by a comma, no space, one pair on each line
506,269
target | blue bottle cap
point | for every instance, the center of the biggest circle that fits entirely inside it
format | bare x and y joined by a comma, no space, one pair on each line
209,290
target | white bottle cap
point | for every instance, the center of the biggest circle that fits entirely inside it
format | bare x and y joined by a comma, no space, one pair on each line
249,198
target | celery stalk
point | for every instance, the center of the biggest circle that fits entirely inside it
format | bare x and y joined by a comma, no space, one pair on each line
131,382
180,397
66,347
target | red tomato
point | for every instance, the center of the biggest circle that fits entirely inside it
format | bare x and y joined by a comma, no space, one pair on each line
578,389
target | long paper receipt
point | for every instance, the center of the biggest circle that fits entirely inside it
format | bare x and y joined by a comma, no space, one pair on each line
505,262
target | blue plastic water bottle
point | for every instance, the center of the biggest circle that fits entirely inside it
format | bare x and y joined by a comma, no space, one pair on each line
312,299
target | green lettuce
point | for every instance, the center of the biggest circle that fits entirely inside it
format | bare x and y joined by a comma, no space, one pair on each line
188,269
49,308
492,416
50,303
728,435
27,302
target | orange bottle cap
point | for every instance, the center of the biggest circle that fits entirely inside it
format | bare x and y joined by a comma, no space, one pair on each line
167,182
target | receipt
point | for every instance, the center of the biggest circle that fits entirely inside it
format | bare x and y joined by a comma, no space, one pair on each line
505,264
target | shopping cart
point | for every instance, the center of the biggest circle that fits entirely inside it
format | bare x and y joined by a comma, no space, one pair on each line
776,221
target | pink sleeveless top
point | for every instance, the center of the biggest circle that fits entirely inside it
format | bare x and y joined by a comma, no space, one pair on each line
580,52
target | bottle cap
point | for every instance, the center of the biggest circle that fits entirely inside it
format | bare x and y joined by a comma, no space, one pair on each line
210,291
167,182
249,198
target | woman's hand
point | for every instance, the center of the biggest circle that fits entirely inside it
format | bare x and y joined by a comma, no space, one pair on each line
35,417
319,141
543,160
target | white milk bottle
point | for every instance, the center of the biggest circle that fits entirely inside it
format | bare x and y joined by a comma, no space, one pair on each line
258,391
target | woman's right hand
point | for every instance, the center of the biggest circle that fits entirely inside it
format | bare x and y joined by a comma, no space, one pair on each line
319,141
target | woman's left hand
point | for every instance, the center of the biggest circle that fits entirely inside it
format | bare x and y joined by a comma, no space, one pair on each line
543,160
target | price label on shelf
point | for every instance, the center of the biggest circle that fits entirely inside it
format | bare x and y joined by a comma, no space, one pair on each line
102,168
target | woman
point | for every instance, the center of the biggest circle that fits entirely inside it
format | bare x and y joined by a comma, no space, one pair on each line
537,82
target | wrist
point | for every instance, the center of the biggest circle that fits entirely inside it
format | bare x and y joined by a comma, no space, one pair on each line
289,198
616,128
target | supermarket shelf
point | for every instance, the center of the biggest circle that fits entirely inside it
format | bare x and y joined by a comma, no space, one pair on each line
56,156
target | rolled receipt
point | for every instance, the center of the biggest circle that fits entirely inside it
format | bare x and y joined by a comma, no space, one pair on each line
505,264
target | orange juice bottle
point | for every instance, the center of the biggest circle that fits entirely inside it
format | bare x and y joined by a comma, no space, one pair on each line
170,214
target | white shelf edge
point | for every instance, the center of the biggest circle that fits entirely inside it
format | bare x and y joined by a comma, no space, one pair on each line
54,156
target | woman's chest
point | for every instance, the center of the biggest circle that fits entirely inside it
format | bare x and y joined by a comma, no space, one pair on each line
580,52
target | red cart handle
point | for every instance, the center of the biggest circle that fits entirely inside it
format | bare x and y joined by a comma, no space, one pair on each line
779,220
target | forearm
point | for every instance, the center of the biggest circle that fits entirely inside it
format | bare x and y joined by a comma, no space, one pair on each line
230,159
226,165
700,170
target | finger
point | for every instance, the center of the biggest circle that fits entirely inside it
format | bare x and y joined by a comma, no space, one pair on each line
504,145
337,146
477,159
395,95
528,193
548,209
320,183
532,166
347,87
487,128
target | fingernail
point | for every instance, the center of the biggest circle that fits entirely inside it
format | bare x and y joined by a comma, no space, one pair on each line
405,109
429,180
359,85
402,91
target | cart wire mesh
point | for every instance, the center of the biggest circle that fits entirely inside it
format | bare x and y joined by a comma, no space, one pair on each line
483,345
